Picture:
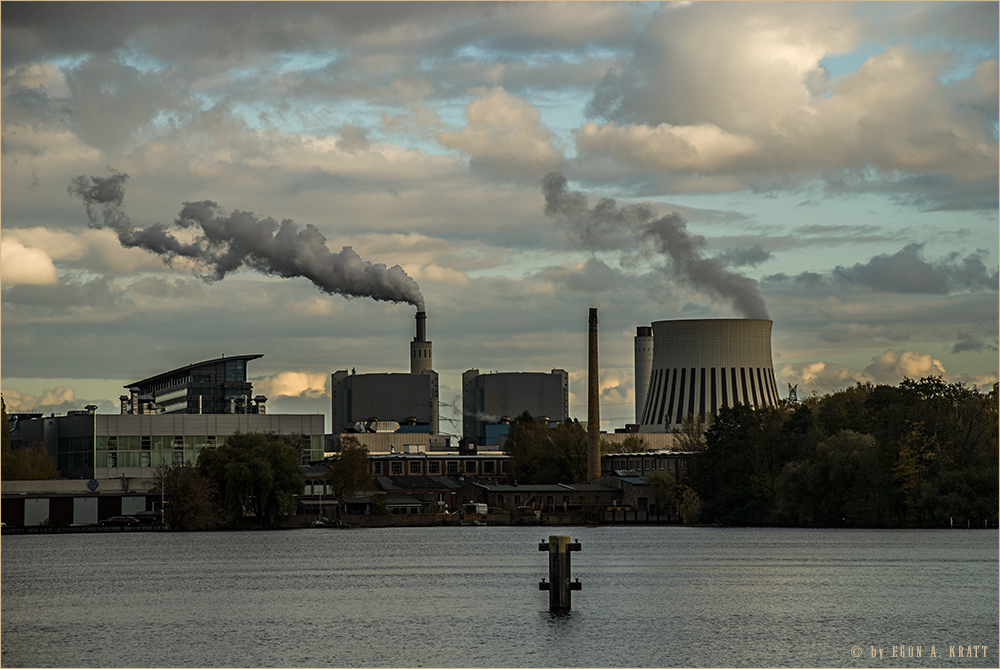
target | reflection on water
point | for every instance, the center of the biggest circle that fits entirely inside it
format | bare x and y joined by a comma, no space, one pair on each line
468,596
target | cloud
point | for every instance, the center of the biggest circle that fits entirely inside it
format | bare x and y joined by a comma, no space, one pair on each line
970,342
892,366
54,400
907,272
504,137
24,265
820,377
608,226
292,384
679,119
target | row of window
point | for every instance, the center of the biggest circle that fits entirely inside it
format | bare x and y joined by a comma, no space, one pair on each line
642,464
415,467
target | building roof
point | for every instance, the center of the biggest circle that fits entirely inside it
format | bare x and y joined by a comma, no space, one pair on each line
393,483
193,366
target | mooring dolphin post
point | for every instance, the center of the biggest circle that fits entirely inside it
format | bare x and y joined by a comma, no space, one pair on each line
559,584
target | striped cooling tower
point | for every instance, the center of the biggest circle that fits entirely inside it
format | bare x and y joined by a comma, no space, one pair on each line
702,365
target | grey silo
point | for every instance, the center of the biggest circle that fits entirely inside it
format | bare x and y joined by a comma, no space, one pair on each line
702,365
643,366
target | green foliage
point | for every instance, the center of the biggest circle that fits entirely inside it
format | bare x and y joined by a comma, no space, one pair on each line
542,455
379,507
349,472
191,499
255,475
923,453
691,433
627,445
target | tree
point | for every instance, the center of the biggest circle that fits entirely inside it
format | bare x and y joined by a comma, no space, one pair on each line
542,455
627,445
191,499
349,472
30,463
255,474
691,433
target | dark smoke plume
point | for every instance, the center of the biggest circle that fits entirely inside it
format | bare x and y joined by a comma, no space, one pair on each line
610,227
226,243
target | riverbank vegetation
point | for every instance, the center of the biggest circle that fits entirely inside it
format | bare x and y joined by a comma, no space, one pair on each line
923,453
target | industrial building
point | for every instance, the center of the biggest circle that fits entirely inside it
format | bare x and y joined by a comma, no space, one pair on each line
85,444
212,386
490,401
701,365
402,398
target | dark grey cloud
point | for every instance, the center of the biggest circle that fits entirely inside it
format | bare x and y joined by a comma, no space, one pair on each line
226,243
608,226
742,257
906,271
971,342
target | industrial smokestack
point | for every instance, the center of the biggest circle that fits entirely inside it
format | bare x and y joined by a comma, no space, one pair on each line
593,405
420,348
421,326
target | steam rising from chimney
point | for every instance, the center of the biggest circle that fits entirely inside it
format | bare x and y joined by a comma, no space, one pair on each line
610,227
226,243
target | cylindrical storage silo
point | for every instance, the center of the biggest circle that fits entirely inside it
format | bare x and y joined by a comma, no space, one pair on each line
702,365
643,366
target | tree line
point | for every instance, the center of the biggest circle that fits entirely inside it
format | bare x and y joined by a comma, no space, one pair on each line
923,453
920,454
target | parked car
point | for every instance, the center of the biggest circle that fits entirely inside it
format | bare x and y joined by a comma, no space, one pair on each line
146,517
119,521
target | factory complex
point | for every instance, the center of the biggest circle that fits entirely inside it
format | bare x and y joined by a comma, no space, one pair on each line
682,367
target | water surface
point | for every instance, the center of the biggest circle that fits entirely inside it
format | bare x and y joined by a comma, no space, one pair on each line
468,596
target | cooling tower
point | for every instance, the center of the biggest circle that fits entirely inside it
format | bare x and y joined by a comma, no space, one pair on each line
643,366
700,366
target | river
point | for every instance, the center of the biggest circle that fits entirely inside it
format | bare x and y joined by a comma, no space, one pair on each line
468,597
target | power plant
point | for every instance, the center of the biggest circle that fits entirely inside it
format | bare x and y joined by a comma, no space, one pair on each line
699,366
490,401
390,397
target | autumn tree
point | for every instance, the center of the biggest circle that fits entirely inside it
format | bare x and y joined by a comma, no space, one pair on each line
349,472
255,475
192,499
539,454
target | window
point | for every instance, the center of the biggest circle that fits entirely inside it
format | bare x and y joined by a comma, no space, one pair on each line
397,467
377,468
178,444
144,459
146,443
433,467
178,457
112,458
452,467
210,441
504,467
416,467
489,467
649,464
662,463
112,444
470,466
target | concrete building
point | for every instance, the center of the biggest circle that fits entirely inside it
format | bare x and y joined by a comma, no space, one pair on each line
702,365
488,399
643,367
86,444
212,386
402,398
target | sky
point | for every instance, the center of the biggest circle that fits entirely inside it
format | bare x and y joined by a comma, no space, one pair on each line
186,180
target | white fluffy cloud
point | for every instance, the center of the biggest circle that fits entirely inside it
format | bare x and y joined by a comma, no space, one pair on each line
24,265
504,137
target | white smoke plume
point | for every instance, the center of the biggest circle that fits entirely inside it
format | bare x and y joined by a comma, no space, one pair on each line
608,226
226,243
